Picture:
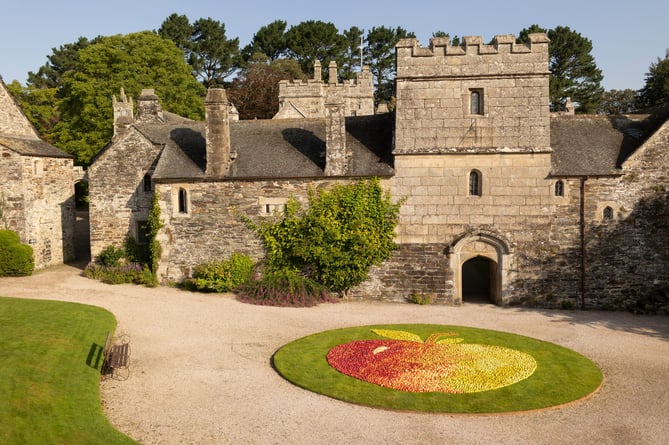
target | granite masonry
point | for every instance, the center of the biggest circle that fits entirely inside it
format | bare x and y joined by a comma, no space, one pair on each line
504,202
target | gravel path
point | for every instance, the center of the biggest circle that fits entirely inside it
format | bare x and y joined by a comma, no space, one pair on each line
201,373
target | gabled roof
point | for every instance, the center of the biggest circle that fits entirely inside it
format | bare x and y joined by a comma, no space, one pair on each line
18,134
290,148
594,145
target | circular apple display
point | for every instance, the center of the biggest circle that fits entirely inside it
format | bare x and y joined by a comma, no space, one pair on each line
404,362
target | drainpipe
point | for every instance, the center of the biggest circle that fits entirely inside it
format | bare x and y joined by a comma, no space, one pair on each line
582,234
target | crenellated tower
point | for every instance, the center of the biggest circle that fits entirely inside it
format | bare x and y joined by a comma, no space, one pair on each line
474,97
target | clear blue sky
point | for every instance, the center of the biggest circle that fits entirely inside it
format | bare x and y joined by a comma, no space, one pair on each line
627,36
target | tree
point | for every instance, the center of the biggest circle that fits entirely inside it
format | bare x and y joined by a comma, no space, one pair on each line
656,89
314,40
255,92
63,59
380,52
270,40
354,38
574,72
617,102
40,106
133,62
212,56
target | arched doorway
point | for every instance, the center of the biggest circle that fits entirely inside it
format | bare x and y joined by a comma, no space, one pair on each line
480,263
479,280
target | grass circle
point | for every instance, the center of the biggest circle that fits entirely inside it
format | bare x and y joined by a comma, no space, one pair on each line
561,375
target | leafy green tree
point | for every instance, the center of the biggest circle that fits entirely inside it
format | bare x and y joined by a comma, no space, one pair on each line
574,72
63,59
178,29
315,40
344,232
380,52
132,61
656,89
354,38
40,106
618,102
270,40
212,56
255,91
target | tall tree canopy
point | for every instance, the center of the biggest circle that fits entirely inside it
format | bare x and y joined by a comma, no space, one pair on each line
574,72
133,62
315,40
62,59
270,40
380,52
212,56
656,89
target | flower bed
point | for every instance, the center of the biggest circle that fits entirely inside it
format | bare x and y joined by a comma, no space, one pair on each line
473,371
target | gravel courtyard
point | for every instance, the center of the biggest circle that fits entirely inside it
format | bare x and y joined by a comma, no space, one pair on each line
201,371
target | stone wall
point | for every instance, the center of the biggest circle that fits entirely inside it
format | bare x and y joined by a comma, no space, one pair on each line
212,228
118,201
434,93
306,98
37,202
628,255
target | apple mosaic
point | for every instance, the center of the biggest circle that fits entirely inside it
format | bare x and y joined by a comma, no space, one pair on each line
441,363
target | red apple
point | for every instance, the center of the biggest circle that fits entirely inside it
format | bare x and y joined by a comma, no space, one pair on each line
433,365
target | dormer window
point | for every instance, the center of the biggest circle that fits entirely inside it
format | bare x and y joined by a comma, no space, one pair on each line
476,101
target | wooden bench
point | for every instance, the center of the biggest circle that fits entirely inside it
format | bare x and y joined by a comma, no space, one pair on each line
116,357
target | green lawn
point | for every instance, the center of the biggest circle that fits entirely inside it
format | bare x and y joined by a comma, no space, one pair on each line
50,358
561,376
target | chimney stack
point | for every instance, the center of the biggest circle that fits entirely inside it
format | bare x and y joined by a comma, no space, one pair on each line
148,107
123,112
337,153
217,133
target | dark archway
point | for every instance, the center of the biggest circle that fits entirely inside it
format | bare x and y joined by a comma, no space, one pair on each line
479,280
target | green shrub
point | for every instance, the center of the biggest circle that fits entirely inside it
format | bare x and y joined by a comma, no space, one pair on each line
221,276
421,298
135,252
111,256
284,287
16,259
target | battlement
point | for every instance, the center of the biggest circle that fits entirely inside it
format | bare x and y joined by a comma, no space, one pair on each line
502,56
305,98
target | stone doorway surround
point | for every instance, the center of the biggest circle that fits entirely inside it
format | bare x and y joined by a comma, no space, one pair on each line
489,247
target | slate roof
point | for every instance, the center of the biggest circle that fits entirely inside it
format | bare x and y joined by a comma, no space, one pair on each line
273,148
32,147
587,145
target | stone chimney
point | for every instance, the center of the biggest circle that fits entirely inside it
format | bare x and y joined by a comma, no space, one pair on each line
123,112
318,71
217,133
149,108
337,153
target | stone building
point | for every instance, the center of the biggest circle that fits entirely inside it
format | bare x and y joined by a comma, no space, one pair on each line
504,202
306,99
37,193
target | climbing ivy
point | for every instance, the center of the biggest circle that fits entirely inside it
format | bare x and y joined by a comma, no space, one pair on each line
154,224
343,232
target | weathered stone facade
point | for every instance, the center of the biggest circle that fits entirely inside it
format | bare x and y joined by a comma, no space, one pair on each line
502,201
37,197
306,99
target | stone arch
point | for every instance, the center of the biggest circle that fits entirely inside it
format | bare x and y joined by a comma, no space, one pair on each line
489,255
